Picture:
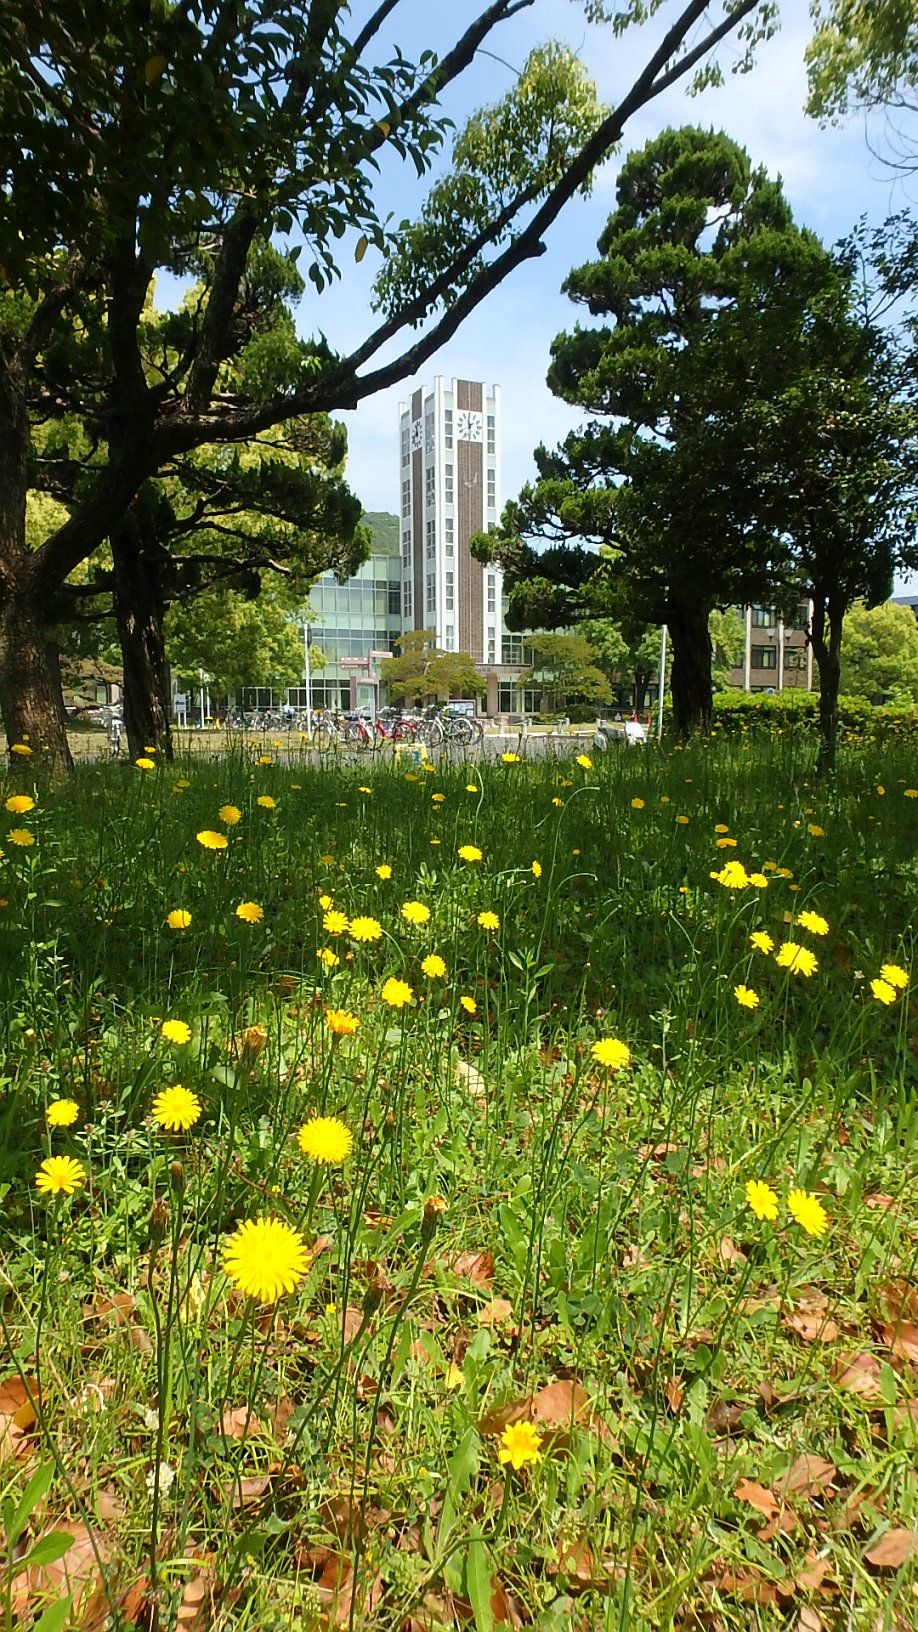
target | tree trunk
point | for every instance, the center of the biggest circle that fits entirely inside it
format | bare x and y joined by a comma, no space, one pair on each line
53,653
690,682
26,688
826,639
139,617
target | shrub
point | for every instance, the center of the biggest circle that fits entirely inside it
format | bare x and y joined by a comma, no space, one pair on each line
859,720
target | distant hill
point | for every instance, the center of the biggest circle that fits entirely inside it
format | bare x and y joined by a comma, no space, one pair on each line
384,531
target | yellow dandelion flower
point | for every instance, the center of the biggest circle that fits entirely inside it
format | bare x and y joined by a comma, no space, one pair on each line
21,837
327,957
488,920
264,1258
59,1176
519,1444
611,1053
637,804
20,748
62,1113
815,831
782,872
721,827
585,761
18,804
433,967
469,1004
469,852
396,993
230,814
558,802
732,876
178,918
145,764
893,975
266,802
333,921
326,861
883,991
176,1108
340,1022
365,929
211,840
364,790
746,997
808,1212
758,881
384,871
250,912
682,821
175,1031
325,902
762,1199
536,869
725,844
415,912
814,922
798,959
326,1139
769,866
438,798
471,787
762,941
911,793
510,759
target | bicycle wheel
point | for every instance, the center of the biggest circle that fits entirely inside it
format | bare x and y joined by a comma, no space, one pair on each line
460,732
431,732
324,739
357,737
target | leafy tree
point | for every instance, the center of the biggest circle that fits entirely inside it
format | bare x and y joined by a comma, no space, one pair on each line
237,642
423,671
186,137
879,654
702,277
863,53
565,665
728,643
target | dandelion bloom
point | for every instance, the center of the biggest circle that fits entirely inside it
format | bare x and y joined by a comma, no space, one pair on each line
415,912
433,967
384,871
176,1108
334,922
364,790
365,929
558,802
396,993
438,798
536,869
19,803
893,975
762,941
611,1053
20,748
746,997
682,821
798,959
255,1039
469,1004
758,881
266,802
21,837
230,814
815,831
469,852
785,872
145,764
250,912
721,827
489,920
325,901
510,759
327,957
762,1199
725,844
326,1139
62,1113
327,861
732,876
180,785
59,1176
471,787
808,1212
178,918
175,1031
585,761
814,922
911,793
883,991
519,1444
769,866
264,1258
211,840
340,1022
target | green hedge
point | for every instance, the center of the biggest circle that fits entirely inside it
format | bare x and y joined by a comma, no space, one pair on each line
859,721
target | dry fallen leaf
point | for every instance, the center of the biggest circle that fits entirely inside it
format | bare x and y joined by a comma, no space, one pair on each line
859,1374
812,1325
893,1549
674,1395
77,1573
239,1422
763,1500
560,1404
17,1415
809,1476
474,1266
495,1312
902,1337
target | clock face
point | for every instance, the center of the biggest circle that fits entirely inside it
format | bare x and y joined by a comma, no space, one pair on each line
417,433
468,426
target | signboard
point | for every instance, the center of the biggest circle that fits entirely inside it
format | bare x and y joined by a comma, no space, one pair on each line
380,654
354,662
179,701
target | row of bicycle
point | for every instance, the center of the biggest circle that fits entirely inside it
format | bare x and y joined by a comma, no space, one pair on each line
362,732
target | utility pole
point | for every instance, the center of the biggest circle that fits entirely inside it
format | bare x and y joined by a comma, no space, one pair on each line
308,681
662,681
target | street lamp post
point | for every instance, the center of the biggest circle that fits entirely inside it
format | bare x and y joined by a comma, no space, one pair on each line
308,681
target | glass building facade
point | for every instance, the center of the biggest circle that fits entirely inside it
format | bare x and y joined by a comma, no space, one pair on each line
348,620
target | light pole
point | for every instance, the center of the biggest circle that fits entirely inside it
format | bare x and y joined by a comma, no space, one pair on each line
308,681
662,680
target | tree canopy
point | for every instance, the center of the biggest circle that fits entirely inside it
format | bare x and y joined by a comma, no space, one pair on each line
879,653
423,670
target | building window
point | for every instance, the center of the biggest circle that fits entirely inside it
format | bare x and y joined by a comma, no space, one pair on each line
406,498
431,592
406,447
450,591
764,657
763,617
448,427
448,483
430,486
512,649
429,429
395,599
795,657
801,618
406,544
448,524
491,434
450,635
406,600
492,490
431,538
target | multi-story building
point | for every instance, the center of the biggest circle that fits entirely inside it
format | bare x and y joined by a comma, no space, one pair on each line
777,655
449,485
351,619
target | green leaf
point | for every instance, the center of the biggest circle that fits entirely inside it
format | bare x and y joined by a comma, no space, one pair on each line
55,1616
478,1583
48,1550
35,1490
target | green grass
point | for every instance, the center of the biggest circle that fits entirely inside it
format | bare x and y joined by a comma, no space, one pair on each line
333,1458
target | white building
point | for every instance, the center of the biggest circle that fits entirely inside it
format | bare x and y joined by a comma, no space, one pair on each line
449,483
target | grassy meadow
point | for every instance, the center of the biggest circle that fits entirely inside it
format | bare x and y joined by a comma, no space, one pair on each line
461,1197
